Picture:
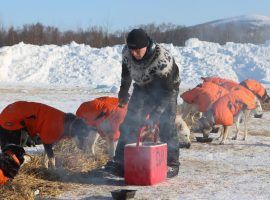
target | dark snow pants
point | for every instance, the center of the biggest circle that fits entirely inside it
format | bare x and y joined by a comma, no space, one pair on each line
140,105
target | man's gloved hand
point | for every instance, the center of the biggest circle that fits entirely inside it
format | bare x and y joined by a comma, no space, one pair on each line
122,103
150,124
123,98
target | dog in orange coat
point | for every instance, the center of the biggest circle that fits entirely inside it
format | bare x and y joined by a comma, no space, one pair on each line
226,110
225,83
104,114
200,98
259,91
48,123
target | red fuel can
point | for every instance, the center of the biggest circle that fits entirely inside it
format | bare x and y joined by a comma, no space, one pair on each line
145,164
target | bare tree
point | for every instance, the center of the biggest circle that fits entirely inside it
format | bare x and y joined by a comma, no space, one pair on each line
12,37
97,36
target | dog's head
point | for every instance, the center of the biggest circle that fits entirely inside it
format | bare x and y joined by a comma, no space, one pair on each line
106,127
15,149
258,111
205,124
183,132
265,98
80,131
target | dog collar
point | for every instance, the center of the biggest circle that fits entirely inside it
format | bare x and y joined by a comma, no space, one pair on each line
10,153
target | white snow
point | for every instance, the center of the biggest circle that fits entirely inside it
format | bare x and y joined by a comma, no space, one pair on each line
83,66
65,76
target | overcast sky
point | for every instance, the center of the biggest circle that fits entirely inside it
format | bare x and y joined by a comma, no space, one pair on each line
123,14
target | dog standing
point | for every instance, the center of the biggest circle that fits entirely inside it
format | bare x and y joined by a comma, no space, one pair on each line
226,110
257,89
48,123
104,114
254,86
200,98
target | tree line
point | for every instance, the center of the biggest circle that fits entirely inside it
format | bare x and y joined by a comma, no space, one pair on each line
95,36
98,37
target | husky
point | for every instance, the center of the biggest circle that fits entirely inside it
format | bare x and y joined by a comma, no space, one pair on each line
207,122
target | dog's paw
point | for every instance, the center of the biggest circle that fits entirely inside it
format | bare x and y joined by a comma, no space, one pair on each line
93,154
222,142
49,163
45,163
46,166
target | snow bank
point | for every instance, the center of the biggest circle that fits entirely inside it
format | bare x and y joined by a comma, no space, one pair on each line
84,66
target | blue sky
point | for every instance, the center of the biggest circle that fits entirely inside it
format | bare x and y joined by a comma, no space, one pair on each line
124,14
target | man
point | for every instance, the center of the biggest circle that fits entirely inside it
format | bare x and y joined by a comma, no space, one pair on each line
11,158
156,86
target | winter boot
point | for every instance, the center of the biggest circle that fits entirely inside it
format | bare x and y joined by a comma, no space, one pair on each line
114,168
111,168
172,171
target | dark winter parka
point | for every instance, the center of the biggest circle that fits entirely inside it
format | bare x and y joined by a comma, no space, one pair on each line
157,73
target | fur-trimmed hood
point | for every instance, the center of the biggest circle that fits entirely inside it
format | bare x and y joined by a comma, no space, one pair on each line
160,64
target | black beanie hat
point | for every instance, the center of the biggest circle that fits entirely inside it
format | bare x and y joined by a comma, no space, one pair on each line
137,39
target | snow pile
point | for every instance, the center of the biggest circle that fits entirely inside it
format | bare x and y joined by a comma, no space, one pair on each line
234,61
73,65
84,66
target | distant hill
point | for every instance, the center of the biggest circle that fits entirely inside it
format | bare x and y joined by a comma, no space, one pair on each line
243,29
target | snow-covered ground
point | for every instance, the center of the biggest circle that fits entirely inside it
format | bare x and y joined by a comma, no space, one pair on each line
237,170
66,76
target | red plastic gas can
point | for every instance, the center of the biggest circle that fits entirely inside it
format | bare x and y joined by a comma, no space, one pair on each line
145,164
